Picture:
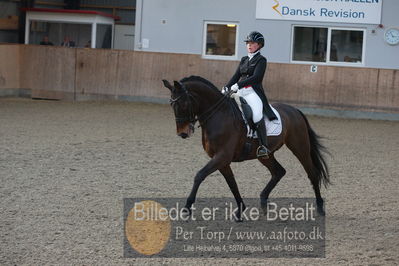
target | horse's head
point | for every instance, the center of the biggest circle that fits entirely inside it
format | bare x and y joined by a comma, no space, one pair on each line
182,104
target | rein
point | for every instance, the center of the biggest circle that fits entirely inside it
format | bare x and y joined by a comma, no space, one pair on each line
202,119
192,118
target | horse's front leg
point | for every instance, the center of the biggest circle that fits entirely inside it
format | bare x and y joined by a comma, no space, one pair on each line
217,162
229,177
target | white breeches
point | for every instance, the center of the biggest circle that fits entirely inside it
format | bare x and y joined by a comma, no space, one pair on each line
254,102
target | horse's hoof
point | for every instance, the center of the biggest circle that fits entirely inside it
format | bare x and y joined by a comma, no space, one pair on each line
263,205
186,212
238,220
263,202
321,212
237,217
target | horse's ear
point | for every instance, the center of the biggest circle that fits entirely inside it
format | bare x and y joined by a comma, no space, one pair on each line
167,84
178,85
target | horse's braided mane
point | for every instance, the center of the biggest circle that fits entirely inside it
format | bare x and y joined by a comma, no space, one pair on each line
199,79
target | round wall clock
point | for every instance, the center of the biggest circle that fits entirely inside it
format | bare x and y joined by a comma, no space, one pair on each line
391,36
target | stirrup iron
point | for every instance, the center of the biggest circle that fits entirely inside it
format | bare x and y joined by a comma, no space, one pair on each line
263,152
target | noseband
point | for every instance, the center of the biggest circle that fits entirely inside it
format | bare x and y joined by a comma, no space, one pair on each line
191,118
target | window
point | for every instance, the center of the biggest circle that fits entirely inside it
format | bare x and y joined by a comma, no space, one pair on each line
310,44
57,33
346,46
328,45
220,40
69,34
104,36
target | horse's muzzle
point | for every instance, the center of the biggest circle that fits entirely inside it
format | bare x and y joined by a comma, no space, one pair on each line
183,135
186,131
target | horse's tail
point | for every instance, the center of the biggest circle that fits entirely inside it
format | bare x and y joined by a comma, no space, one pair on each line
320,168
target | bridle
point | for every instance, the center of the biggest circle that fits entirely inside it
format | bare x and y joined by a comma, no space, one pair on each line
191,117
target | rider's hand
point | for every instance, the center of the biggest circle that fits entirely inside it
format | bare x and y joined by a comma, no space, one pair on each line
225,90
234,87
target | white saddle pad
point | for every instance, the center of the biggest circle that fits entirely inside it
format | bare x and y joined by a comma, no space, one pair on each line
273,128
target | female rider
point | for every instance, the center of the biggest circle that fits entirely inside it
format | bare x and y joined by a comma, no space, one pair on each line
247,83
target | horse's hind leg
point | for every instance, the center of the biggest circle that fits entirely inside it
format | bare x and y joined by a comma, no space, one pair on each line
302,152
277,172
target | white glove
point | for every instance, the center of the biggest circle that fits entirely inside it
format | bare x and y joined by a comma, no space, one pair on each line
234,87
225,90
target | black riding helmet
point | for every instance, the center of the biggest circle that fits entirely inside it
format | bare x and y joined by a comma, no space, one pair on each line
257,37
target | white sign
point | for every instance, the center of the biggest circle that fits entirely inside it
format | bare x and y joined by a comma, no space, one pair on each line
145,43
313,68
341,11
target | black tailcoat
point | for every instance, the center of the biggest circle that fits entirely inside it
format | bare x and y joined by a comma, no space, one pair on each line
250,73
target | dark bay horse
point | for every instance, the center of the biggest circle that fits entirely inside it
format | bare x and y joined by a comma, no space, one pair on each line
224,137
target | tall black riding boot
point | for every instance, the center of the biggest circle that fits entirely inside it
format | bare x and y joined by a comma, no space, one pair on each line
262,150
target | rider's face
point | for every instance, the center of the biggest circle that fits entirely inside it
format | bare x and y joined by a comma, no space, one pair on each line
252,47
